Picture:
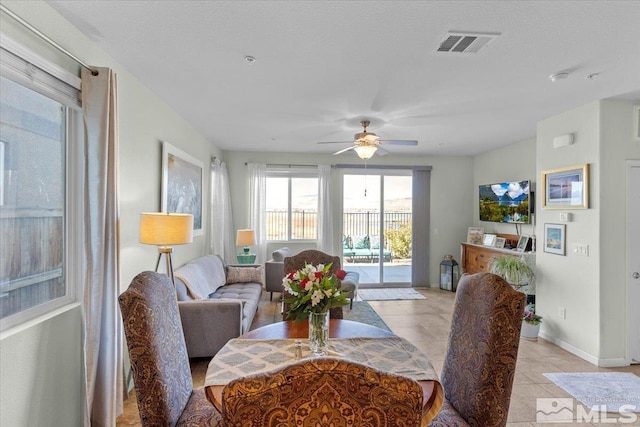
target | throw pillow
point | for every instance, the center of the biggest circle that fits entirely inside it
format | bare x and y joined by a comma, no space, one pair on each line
363,243
244,275
347,243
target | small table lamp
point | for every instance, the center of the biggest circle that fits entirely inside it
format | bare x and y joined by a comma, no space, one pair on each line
246,238
164,230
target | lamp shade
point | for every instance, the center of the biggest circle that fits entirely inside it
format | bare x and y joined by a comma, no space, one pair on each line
365,152
166,229
245,238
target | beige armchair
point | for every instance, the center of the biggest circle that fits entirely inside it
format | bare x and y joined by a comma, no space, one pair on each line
323,391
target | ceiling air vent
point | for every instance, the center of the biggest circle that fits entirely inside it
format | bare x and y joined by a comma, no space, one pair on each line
465,42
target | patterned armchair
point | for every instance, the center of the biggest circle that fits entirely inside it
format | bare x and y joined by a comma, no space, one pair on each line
158,354
478,371
323,391
311,256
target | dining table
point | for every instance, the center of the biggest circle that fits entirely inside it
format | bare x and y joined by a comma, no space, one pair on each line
276,345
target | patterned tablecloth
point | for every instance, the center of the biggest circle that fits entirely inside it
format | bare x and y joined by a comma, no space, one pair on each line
241,357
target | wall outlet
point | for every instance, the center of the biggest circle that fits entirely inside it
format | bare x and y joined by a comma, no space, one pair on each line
562,312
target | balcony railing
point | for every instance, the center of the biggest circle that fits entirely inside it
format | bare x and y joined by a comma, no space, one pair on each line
304,223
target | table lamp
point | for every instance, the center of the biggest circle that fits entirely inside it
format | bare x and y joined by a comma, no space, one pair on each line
246,238
164,230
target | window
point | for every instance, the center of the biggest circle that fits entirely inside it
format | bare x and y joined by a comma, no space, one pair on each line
36,197
292,205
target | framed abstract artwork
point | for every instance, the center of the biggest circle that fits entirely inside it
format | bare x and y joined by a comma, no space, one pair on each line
182,183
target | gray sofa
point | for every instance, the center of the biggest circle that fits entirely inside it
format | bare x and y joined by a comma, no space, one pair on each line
216,303
274,273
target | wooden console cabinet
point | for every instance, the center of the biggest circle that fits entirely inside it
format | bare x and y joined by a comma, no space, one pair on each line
478,258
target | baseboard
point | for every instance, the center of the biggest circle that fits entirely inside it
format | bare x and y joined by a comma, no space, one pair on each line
603,363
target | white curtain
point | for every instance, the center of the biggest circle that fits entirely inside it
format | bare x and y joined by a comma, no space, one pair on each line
103,343
325,210
258,207
222,242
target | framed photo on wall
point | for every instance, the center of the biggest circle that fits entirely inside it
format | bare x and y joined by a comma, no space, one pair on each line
474,235
554,238
182,183
566,188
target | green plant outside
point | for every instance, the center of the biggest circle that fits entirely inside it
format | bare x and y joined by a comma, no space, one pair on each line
399,241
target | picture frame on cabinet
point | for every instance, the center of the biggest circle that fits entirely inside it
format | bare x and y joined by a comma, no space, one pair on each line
523,242
500,241
489,239
474,235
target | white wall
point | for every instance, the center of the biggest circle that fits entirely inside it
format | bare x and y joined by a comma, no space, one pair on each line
592,288
515,162
616,146
39,361
451,194
572,281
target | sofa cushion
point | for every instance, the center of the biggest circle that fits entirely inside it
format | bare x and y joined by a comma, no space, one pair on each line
244,275
248,293
202,276
281,254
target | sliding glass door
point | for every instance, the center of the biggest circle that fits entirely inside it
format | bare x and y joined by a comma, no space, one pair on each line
377,220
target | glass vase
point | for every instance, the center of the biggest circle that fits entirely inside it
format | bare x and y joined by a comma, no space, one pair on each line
319,333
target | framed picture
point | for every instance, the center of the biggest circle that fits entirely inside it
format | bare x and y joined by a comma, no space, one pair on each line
523,242
554,238
182,182
474,235
500,241
489,239
566,188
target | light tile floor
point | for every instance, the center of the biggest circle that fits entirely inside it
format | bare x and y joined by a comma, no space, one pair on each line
426,323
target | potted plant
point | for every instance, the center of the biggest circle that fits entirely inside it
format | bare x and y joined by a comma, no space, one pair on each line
530,323
513,269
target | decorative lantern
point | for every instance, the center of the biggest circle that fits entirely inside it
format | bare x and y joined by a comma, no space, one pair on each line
449,273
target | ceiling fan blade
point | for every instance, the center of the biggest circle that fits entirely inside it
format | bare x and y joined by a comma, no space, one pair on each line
381,151
399,141
336,142
344,150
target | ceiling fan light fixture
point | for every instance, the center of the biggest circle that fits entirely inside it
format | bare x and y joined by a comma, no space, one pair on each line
365,152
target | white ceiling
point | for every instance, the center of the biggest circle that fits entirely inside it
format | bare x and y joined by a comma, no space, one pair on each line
322,66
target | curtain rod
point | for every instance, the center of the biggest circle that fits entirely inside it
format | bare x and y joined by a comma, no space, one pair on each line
47,39
287,165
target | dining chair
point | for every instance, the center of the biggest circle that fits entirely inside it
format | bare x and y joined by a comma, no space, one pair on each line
158,354
480,364
314,257
323,391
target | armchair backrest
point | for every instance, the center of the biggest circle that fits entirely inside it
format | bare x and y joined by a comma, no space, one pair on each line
314,257
312,391
157,349
480,364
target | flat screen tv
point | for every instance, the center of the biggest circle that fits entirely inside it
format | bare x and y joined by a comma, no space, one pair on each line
506,202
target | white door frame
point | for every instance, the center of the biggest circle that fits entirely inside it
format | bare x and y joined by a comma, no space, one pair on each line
633,254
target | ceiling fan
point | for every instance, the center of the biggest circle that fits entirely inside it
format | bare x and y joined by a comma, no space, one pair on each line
366,144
